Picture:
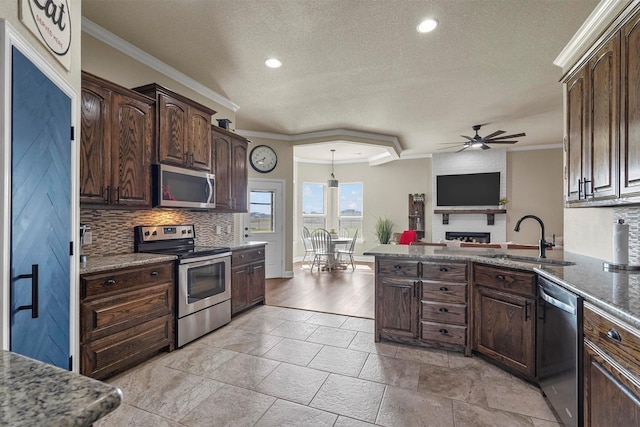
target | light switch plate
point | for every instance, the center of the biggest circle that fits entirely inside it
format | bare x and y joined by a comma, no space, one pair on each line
218,229
88,238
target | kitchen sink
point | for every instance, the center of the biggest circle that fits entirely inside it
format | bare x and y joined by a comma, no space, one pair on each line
532,260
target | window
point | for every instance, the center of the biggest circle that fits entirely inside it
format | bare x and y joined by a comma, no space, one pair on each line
314,214
350,207
261,208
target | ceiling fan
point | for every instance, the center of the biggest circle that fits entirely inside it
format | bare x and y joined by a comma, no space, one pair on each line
483,142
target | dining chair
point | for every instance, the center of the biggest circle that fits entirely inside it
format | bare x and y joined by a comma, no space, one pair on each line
348,251
322,248
343,232
306,240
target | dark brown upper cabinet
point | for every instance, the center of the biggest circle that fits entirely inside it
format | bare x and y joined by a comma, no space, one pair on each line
229,153
184,129
116,137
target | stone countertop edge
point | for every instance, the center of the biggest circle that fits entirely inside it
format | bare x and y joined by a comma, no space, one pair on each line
236,246
617,293
38,394
96,264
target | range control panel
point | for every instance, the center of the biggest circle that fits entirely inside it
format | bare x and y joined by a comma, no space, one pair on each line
165,232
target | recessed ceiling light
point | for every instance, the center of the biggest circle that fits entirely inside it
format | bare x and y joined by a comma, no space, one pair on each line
273,63
427,25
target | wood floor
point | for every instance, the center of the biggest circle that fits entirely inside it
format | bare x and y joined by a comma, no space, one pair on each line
345,292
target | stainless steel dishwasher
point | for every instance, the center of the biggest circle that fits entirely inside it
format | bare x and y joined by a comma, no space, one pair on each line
559,350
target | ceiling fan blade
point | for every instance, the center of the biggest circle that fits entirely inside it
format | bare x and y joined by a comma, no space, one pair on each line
496,133
452,143
500,142
463,148
468,137
445,148
516,135
485,147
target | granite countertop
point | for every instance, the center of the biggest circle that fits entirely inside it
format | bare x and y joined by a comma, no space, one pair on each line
236,246
113,262
37,394
615,292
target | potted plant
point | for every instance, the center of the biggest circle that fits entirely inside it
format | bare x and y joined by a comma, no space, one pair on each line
502,202
384,228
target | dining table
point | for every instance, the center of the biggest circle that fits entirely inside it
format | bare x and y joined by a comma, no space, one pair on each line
333,261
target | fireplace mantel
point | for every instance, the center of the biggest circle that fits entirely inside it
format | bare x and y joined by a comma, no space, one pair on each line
490,213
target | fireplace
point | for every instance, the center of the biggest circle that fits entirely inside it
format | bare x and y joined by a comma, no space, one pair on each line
468,236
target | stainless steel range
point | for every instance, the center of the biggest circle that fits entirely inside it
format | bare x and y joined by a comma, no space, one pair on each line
203,273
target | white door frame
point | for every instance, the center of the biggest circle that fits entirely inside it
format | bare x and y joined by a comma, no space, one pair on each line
279,184
10,38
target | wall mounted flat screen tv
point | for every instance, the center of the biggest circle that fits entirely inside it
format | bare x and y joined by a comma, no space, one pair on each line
474,189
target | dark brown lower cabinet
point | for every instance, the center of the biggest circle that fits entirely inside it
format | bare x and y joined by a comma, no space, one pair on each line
397,309
126,316
504,313
611,370
247,278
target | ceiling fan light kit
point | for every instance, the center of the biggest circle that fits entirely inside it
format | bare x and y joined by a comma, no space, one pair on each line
483,142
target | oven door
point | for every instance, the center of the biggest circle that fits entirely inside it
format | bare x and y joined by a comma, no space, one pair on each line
203,283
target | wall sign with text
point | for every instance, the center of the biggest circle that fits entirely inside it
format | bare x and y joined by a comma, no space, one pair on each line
49,20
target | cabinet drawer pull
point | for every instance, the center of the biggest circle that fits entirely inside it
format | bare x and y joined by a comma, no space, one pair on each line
242,256
500,277
259,252
614,335
444,269
443,331
110,282
155,273
443,310
401,286
444,288
397,266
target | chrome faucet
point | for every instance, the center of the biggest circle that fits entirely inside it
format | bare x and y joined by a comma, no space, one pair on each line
543,245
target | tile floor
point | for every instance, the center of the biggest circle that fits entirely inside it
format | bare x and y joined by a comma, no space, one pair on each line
276,366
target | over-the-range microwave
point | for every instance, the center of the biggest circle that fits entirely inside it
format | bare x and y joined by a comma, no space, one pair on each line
176,187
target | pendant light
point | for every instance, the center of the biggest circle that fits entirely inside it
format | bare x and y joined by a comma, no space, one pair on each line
333,182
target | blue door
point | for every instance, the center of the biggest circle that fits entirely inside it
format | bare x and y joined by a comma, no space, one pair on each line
40,215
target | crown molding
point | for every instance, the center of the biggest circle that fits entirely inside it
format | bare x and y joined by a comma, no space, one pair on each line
143,57
535,147
605,12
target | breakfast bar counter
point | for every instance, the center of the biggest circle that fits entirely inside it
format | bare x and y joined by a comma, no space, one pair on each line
37,394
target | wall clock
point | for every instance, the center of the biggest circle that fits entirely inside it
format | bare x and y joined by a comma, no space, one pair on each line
263,159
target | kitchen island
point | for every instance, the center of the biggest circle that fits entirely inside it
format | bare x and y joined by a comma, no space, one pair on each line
37,394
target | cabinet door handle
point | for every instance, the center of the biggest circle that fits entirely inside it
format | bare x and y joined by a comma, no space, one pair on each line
107,195
526,310
397,266
192,159
34,276
154,273
444,288
443,331
444,269
579,189
614,335
110,282
118,194
443,310
500,277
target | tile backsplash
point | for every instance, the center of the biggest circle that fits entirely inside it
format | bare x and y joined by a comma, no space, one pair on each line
112,229
631,216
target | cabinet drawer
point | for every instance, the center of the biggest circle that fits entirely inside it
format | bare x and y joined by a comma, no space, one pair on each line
104,316
444,292
121,280
515,281
439,312
444,333
390,267
619,340
117,352
245,256
448,272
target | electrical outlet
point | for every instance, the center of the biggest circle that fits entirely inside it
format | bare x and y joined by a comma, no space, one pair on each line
88,238
218,229
229,230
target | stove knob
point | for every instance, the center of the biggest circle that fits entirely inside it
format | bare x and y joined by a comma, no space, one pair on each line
189,231
184,231
146,233
155,233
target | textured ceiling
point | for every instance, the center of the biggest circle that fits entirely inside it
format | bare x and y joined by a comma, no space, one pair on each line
360,64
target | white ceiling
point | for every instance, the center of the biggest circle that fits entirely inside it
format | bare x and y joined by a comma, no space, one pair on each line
360,65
